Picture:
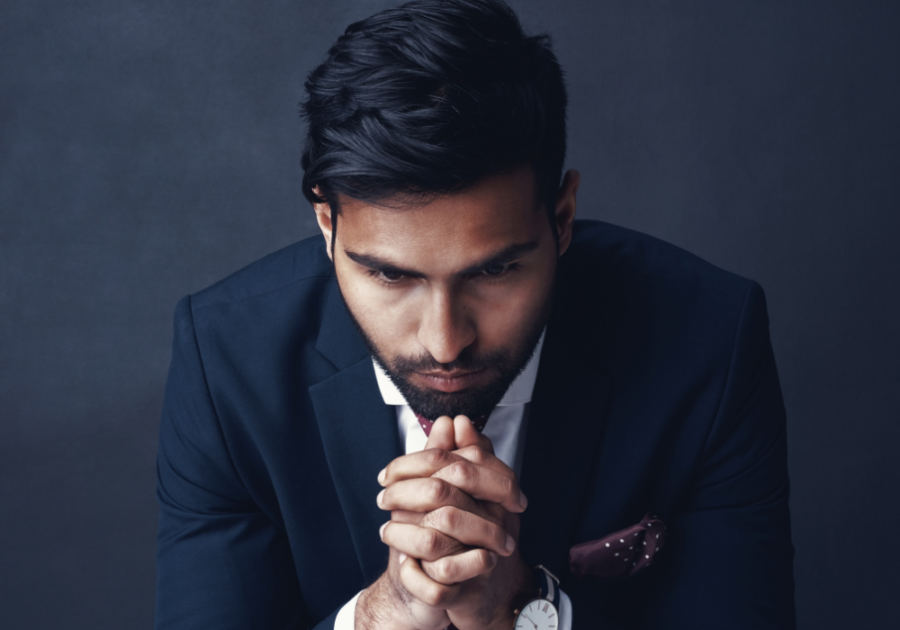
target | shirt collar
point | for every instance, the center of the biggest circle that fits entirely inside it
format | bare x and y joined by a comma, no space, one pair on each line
519,391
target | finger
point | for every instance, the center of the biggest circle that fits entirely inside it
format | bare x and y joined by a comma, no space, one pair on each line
422,543
484,484
420,464
441,435
424,495
470,529
466,435
423,588
460,567
482,457
421,615
426,463
406,516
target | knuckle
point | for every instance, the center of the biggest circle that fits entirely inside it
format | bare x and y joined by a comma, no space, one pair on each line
444,518
456,518
475,454
461,472
438,491
484,559
441,570
435,595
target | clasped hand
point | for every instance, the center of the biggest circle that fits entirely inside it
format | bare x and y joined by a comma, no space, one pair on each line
453,535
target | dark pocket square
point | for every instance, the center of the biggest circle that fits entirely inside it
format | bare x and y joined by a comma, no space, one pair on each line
620,554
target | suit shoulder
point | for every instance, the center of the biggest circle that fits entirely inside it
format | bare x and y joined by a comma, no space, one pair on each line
300,262
623,253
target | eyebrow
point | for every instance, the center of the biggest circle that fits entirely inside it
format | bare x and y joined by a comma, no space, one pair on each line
503,257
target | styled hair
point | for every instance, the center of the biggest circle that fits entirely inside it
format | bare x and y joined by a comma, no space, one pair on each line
430,98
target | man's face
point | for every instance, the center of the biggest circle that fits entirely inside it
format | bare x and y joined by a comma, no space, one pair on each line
451,294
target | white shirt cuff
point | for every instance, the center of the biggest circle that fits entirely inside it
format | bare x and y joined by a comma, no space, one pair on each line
565,611
346,617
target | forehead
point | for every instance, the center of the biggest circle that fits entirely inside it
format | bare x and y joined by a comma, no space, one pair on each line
447,232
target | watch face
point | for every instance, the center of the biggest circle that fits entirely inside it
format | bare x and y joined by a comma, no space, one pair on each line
538,615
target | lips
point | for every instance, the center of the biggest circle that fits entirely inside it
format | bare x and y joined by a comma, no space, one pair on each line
449,381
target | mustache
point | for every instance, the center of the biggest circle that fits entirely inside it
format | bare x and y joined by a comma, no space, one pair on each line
466,361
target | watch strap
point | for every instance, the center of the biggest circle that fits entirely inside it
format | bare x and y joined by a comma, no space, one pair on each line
548,585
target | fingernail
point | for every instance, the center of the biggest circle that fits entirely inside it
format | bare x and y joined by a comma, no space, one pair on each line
402,557
379,498
510,543
382,475
381,530
494,557
523,500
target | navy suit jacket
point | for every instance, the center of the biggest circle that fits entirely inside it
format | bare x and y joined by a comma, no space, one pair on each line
656,392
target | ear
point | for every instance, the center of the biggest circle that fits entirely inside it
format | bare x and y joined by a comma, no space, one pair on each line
323,218
565,208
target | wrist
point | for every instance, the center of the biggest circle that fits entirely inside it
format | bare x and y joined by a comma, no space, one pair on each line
523,592
545,604
380,606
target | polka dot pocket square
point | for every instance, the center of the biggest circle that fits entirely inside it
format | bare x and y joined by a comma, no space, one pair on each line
620,554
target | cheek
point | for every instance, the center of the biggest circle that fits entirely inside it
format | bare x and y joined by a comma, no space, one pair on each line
387,315
501,314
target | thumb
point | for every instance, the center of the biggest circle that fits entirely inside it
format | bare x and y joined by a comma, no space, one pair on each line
441,435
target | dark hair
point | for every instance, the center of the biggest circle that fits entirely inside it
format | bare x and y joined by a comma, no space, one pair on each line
430,98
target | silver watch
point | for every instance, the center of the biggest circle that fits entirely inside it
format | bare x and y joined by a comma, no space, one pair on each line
541,613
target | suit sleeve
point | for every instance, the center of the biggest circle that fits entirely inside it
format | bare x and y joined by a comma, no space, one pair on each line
731,564
221,563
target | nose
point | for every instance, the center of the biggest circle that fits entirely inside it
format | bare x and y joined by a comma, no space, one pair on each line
445,329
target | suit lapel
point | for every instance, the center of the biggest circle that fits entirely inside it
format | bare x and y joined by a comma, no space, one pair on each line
359,432
563,437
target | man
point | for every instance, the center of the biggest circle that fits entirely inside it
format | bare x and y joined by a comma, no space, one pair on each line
320,456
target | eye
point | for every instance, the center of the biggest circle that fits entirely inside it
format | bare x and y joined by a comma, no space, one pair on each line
496,270
386,277
390,276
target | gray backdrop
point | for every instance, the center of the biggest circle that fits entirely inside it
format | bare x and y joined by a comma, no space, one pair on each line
148,149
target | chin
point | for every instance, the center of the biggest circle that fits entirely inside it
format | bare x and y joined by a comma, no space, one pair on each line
472,403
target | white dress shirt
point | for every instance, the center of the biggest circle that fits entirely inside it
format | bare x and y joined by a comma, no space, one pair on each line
505,428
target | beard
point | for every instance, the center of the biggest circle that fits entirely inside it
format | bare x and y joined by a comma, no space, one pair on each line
474,402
